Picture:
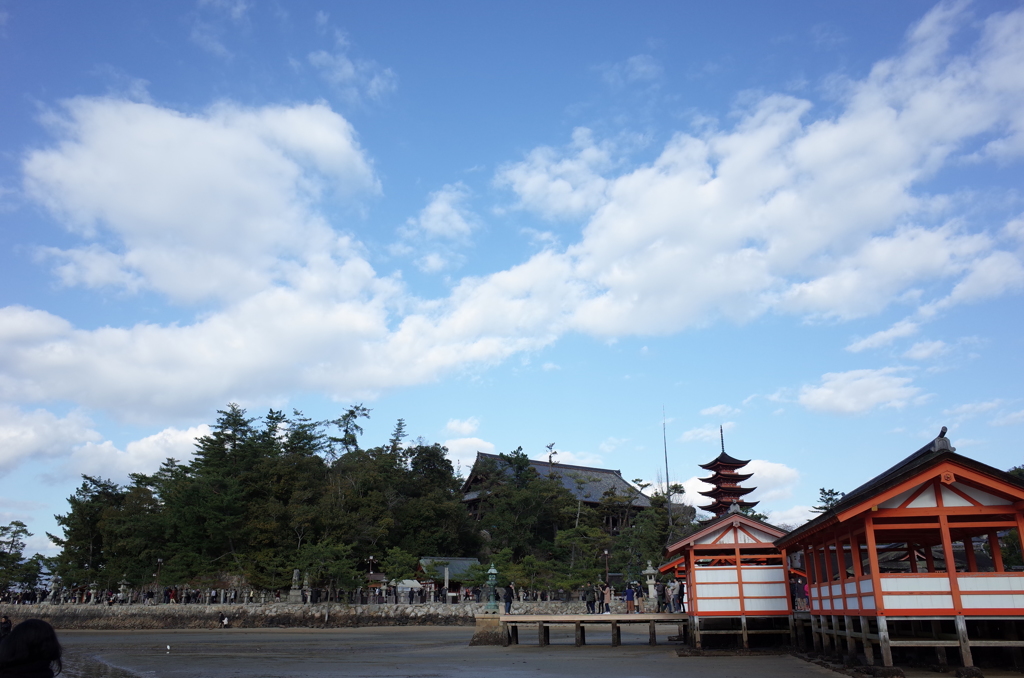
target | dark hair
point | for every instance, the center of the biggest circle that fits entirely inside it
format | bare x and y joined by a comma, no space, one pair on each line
31,641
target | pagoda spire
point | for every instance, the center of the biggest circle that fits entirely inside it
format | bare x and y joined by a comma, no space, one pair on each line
726,480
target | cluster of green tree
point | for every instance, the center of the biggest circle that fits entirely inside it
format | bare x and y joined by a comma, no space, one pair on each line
17,572
262,497
542,536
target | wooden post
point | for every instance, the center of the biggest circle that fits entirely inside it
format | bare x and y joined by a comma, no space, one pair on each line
695,629
883,641
616,638
972,562
929,557
581,635
542,634
997,553
940,652
792,630
947,550
814,632
743,628
654,633
912,555
514,634
869,648
876,579
851,642
835,633
965,643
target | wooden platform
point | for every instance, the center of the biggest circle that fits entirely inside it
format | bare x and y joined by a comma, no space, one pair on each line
510,624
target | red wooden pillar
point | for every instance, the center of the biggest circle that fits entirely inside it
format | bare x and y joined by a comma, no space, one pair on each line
972,561
997,553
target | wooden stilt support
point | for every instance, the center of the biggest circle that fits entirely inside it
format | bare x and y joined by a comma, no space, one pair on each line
513,634
814,633
1010,633
940,652
695,623
869,648
581,634
851,642
654,633
792,631
965,644
883,641
743,628
835,635
616,634
543,634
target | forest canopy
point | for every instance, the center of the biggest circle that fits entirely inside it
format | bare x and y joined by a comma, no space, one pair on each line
263,496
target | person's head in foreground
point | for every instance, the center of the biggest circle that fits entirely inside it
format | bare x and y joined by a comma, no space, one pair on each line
31,650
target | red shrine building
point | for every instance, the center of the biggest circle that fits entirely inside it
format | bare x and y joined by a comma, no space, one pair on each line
735,579
911,559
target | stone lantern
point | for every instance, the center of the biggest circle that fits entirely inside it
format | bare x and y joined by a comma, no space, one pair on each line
492,582
650,573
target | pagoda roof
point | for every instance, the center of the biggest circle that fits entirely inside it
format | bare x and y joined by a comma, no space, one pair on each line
728,491
728,477
724,460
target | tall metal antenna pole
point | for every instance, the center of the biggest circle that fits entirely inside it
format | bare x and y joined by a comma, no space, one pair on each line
664,440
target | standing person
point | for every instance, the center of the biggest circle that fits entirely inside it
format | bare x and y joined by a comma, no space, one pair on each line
630,600
659,596
30,650
608,593
509,596
639,598
5,627
591,597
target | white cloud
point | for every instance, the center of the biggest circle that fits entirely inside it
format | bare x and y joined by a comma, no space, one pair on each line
210,205
69,446
774,481
706,433
1009,419
40,435
609,445
463,427
558,185
858,391
462,451
719,411
638,68
778,211
903,328
923,350
446,216
139,456
795,516
969,410
354,79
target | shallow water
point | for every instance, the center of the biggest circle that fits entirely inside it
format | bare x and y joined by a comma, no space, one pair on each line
392,652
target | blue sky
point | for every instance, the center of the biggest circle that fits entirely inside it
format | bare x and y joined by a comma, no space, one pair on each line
512,224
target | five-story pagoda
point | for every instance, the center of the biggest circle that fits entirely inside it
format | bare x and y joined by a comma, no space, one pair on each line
726,480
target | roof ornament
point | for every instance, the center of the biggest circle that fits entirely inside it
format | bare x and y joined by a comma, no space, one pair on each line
734,508
942,442
721,434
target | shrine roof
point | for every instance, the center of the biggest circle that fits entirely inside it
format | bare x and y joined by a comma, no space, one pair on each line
729,478
934,452
724,460
712,524
593,482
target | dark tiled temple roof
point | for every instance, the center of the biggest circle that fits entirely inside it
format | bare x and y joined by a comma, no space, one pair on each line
594,482
935,451
725,460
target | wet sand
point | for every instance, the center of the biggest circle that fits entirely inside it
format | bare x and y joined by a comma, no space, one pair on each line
392,652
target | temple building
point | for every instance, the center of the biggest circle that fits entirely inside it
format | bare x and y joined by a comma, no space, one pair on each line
735,579
898,562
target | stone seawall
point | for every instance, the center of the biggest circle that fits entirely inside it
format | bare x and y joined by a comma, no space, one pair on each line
131,617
